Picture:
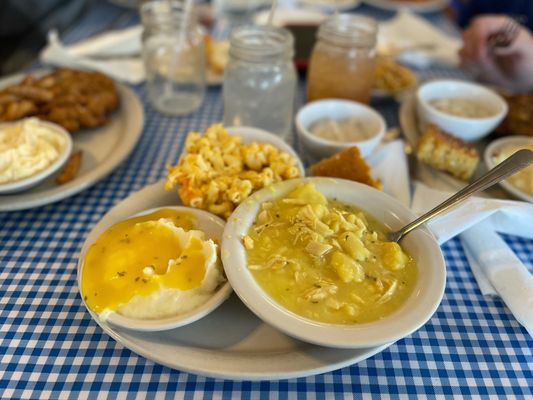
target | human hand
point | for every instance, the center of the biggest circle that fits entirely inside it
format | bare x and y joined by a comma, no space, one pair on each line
510,67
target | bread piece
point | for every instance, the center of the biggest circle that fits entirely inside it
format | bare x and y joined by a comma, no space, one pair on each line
393,77
217,54
347,164
447,153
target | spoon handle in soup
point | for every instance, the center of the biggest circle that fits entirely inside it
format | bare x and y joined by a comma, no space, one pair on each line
515,163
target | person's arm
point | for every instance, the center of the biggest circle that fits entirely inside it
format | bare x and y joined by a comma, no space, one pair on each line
510,67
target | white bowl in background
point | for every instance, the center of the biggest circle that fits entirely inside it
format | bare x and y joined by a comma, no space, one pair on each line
420,244
35,179
213,227
337,109
467,129
490,154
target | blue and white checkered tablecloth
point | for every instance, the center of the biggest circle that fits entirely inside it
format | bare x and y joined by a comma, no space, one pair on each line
51,348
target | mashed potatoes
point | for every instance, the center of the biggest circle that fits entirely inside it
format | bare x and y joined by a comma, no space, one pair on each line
26,148
327,261
151,267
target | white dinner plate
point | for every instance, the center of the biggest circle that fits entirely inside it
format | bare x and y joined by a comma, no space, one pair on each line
493,149
330,5
103,149
231,342
417,6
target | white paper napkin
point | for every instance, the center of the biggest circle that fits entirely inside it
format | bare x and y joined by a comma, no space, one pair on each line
505,216
497,270
389,165
121,50
408,30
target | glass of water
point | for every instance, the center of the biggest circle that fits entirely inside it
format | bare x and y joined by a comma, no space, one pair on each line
260,79
174,57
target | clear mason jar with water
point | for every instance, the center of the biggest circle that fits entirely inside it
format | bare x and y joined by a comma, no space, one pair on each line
174,57
260,79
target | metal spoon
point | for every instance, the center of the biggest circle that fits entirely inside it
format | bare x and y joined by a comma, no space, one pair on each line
511,165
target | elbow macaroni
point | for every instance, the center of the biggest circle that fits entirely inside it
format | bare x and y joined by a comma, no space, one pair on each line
217,171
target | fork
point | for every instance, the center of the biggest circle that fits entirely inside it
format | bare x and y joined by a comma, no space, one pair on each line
519,160
506,36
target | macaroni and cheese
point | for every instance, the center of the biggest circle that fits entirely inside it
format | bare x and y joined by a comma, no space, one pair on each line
217,172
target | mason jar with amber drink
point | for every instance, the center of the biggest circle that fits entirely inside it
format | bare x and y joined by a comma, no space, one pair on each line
342,63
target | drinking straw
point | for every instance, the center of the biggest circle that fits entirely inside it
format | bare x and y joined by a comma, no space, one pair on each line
182,37
272,11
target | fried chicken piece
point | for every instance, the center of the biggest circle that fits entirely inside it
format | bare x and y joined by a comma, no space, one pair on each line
71,168
519,119
31,93
347,164
17,110
8,98
71,98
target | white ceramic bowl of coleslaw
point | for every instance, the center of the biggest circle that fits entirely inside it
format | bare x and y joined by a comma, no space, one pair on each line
31,151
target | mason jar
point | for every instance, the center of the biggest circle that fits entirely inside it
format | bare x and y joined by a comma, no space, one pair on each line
342,63
174,57
260,79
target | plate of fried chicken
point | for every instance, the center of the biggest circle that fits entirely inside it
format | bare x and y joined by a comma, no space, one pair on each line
105,119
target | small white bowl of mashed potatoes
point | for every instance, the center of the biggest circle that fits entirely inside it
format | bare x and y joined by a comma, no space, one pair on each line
466,110
155,271
310,257
328,126
30,151
521,183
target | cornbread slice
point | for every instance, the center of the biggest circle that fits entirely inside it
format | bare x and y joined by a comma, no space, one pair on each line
347,164
447,153
393,77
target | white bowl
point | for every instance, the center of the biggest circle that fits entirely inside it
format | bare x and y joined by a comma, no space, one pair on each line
489,156
249,135
34,180
338,109
420,244
213,227
467,129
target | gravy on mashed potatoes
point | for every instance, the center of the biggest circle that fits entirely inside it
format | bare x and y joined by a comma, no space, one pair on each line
151,266
327,261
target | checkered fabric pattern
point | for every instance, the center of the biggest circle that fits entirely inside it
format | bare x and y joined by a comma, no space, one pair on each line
50,348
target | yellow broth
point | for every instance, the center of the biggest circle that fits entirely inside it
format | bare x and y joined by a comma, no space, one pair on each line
327,261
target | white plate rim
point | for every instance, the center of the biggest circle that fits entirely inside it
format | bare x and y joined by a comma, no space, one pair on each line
135,118
429,6
489,162
324,5
223,363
